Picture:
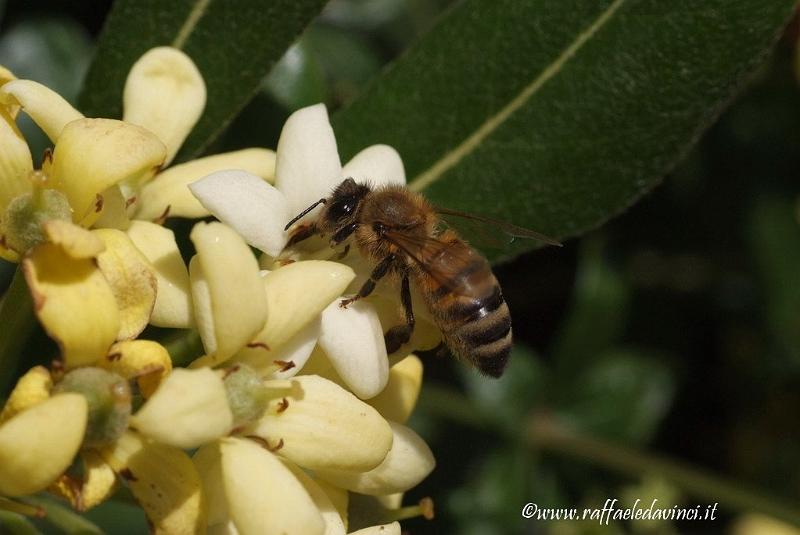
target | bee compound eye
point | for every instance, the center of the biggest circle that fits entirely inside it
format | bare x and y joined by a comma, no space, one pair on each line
340,210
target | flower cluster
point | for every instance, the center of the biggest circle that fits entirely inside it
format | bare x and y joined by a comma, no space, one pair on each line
292,412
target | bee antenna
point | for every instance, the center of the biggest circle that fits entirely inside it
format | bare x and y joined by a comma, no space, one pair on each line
304,212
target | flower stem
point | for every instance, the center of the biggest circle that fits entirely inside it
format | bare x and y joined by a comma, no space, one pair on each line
18,321
548,435
21,508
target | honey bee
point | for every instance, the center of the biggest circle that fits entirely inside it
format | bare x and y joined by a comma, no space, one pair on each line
401,234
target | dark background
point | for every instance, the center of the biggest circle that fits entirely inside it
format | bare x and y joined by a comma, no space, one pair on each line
674,328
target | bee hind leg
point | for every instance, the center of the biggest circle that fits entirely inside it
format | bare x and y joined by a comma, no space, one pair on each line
401,334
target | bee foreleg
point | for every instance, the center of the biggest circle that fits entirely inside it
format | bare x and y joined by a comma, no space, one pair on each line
343,233
401,334
301,233
377,274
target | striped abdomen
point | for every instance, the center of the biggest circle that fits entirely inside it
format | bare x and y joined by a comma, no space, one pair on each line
469,309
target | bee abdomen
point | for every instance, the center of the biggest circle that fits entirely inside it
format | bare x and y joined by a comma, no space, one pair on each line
479,330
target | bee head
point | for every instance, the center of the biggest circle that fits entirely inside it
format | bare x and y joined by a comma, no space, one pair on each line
342,206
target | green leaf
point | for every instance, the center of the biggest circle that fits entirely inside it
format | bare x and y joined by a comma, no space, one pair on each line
624,395
297,80
233,42
346,57
558,114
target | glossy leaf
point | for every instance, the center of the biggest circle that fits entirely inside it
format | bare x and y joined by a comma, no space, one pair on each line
297,79
558,114
233,42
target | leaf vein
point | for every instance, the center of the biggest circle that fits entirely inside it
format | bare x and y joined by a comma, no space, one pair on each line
451,158
197,12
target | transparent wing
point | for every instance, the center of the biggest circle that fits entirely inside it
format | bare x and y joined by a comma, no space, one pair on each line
446,262
451,217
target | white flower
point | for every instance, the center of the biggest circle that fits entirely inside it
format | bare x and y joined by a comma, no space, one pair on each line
307,169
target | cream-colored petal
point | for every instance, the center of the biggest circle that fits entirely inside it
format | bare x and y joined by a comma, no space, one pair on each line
256,209
383,529
173,306
47,108
377,165
31,389
166,94
225,528
7,254
409,462
298,293
397,400
330,515
208,462
132,279
319,364
352,338
75,241
391,501
238,302
99,481
203,313
169,191
5,77
96,483
114,212
144,360
73,302
340,499
307,165
324,426
189,409
164,482
263,495
38,444
426,334
296,350
94,154
15,160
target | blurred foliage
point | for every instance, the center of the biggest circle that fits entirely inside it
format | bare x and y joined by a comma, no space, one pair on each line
54,51
674,328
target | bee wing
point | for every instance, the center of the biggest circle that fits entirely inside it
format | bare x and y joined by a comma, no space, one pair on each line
446,262
513,231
